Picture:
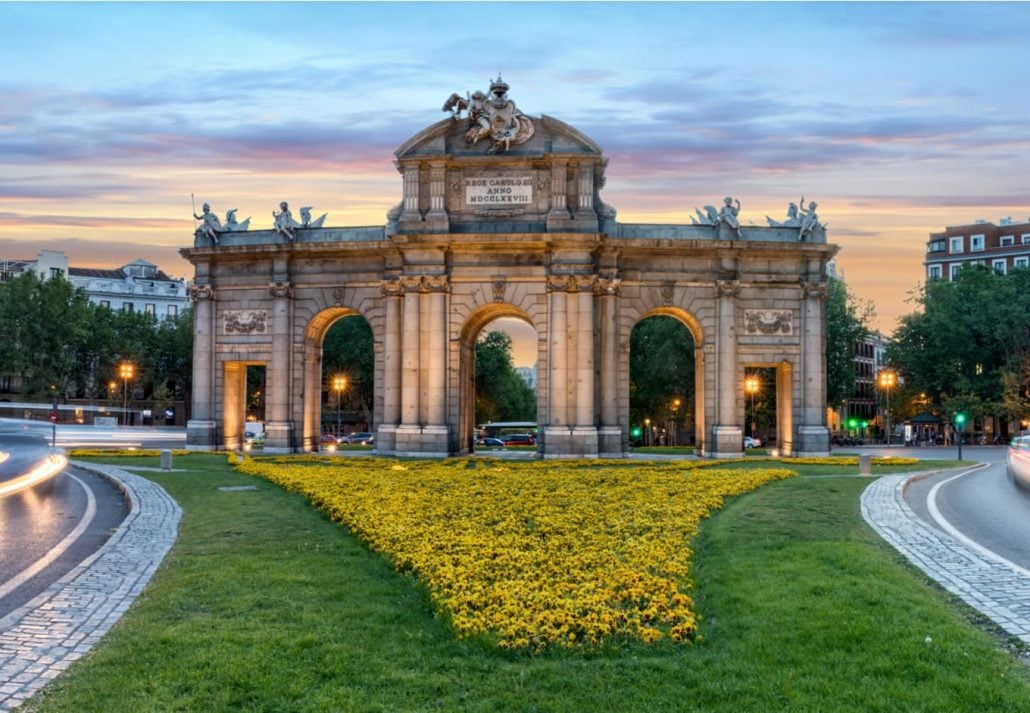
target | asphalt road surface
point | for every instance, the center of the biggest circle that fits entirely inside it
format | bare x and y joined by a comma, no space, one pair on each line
48,529
72,436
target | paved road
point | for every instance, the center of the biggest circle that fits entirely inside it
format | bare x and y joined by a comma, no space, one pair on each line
48,529
72,436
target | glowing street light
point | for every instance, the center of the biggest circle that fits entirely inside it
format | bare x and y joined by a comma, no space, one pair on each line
126,370
339,384
887,379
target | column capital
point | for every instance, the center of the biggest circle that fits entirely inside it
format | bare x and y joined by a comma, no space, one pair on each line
424,283
727,288
814,290
201,292
607,286
391,287
280,289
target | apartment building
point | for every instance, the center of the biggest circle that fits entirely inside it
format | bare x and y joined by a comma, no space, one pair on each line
1002,248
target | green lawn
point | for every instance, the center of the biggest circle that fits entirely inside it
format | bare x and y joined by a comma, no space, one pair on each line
263,604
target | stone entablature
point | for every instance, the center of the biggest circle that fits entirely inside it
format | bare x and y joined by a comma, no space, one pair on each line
488,229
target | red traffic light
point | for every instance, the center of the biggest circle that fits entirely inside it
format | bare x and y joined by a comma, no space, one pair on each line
53,417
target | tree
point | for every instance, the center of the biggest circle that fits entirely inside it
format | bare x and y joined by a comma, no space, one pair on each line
501,394
846,320
970,341
661,370
348,350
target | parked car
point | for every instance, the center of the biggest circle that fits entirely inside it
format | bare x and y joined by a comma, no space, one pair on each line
328,439
1018,460
750,442
362,438
518,439
489,441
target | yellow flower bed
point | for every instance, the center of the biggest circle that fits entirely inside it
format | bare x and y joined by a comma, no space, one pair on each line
533,555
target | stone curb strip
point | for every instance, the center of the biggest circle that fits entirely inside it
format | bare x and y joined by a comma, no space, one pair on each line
990,586
44,637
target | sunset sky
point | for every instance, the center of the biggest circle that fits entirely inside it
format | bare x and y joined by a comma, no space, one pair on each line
898,119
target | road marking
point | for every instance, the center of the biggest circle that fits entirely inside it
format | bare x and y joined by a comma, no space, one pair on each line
33,569
935,513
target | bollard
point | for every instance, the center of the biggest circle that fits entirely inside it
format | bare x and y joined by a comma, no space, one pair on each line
166,459
865,464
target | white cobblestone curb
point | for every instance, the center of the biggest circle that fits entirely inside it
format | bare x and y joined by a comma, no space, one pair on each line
41,639
993,587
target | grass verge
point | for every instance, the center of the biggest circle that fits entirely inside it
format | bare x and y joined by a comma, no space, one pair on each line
263,604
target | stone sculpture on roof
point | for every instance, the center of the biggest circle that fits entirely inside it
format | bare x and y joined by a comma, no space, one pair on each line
809,219
305,218
231,224
210,226
285,225
495,117
729,213
792,220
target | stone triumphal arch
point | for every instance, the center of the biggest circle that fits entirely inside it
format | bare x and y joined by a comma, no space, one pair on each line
501,215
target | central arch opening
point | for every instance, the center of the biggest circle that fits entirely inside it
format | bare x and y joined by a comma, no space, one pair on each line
498,376
665,404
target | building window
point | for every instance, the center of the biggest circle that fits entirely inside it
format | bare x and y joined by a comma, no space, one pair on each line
56,272
936,246
1026,239
105,303
173,310
128,307
999,266
934,272
1020,262
1007,241
149,309
955,245
954,271
976,243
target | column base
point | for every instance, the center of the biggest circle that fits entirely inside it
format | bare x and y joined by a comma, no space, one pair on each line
279,437
610,443
424,441
812,441
727,442
386,440
569,442
201,436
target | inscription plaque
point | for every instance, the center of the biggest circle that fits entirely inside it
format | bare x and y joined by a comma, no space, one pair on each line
499,190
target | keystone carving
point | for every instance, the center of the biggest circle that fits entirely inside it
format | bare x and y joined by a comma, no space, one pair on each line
498,284
668,292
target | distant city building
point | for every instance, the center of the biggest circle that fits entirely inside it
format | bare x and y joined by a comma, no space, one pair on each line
870,357
136,287
1002,248
528,374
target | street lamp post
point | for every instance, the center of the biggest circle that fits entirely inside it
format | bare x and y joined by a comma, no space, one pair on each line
887,379
126,371
647,432
674,431
752,386
339,384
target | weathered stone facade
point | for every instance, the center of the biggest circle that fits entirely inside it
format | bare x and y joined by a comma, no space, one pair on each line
520,232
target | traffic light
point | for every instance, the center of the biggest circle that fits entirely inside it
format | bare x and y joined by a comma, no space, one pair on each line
865,424
960,419
635,432
852,423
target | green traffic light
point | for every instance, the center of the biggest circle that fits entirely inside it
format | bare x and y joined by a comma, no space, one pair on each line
853,423
960,418
636,432
865,424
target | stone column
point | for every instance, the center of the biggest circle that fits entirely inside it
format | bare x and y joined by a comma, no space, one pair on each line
610,434
410,345
278,426
435,432
410,212
200,430
813,436
557,433
585,432
727,439
387,433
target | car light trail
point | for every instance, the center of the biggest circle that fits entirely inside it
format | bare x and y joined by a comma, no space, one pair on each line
43,471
